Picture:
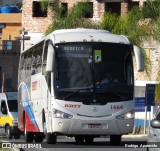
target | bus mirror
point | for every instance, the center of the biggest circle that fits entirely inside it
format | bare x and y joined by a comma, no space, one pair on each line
139,58
50,58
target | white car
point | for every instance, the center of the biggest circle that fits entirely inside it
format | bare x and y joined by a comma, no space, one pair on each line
154,133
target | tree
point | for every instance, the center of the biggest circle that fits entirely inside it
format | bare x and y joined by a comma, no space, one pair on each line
129,25
152,11
132,25
75,18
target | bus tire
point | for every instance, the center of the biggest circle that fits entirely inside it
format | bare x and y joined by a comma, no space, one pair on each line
17,135
79,139
28,136
89,139
8,132
115,139
39,137
44,123
51,138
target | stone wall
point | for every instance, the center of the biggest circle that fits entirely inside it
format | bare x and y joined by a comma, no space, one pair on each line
152,49
40,24
34,24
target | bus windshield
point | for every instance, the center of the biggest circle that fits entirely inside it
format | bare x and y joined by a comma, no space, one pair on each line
12,105
93,72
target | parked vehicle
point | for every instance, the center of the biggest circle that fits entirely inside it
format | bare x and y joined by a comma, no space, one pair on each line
9,114
60,88
154,133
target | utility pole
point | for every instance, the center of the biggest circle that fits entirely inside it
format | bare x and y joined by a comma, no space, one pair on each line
23,32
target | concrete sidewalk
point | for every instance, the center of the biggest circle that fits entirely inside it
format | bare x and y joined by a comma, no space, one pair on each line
135,136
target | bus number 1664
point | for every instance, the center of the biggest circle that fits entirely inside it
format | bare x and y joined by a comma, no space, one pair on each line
116,107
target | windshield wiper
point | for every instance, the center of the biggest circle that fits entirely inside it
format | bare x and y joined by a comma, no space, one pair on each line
119,95
115,93
84,89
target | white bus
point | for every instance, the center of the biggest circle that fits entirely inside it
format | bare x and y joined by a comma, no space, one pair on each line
62,90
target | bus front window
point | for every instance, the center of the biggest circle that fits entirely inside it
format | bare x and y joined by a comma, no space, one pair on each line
113,72
93,71
73,67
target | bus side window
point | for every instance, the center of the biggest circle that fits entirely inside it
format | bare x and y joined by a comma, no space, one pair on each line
36,58
33,68
38,63
28,68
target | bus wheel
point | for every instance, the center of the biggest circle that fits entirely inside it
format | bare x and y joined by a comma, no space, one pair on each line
51,138
115,139
8,132
29,136
44,124
79,139
39,137
17,135
89,139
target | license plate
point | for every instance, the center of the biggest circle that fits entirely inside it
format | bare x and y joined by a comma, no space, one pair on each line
94,126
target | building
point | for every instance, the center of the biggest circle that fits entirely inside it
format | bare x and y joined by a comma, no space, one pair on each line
10,25
36,22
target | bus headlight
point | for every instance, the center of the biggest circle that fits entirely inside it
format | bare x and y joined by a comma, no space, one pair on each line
60,114
128,115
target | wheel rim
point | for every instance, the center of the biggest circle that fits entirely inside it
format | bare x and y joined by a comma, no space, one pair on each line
44,128
7,133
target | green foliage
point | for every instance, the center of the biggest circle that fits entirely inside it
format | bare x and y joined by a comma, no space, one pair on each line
147,63
126,25
151,9
139,23
157,90
44,5
157,29
157,93
108,21
130,25
74,19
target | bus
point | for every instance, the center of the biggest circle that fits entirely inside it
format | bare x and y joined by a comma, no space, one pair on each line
60,88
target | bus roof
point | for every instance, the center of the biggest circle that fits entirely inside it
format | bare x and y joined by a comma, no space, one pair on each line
87,35
84,35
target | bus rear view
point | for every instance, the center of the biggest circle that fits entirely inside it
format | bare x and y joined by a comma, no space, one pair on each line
87,86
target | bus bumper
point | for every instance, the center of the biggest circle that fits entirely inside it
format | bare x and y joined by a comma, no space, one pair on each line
92,127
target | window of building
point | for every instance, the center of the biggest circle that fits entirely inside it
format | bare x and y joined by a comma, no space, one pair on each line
89,11
37,11
64,10
113,7
89,14
87,8
133,4
7,44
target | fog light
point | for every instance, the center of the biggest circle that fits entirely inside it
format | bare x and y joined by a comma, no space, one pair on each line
60,124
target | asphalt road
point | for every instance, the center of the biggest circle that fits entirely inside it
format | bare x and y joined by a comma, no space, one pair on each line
129,143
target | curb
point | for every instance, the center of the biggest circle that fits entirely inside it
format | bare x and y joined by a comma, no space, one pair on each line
135,136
